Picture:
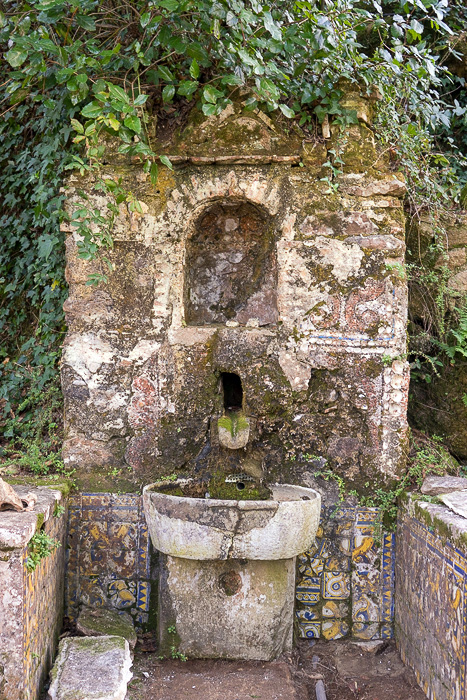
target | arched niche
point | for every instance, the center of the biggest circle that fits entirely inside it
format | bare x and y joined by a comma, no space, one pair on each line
230,267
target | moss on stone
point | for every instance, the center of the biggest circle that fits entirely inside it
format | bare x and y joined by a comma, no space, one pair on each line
64,486
103,622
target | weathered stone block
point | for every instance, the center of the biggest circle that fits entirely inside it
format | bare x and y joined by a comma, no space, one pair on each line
102,622
91,668
205,601
435,485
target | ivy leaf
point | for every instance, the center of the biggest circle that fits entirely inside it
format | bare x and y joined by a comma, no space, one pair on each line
92,110
145,19
166,161
287,112
86,22
168,93
16,57
118,93
170,5
187,87
140,100
231,80
115,124
194,69
210,94
153,173
416,26
77,126
45,246
271,26
133,123
165,74
209,110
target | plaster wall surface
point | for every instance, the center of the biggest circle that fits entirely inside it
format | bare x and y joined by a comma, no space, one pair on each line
243,262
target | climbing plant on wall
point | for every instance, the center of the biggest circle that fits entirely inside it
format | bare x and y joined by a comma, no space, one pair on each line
72,69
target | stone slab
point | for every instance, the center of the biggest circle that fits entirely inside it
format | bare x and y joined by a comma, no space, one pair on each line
91,668
217,680
434,485
16,529
456,501
101,622
231,609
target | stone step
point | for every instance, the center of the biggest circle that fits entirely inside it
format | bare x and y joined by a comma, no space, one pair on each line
91,668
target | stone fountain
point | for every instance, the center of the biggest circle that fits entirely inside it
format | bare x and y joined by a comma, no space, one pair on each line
253,327
228,578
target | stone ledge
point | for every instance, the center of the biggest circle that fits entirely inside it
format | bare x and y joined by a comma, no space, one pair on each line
16,529
446,524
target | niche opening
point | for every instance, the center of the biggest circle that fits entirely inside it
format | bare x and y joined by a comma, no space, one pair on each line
230,267
233,391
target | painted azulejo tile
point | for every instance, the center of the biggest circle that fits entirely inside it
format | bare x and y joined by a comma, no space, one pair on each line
334,629
387,580
122,594
366,631
334,608
336,585
307,615
308,590
108,554
310,630
366,595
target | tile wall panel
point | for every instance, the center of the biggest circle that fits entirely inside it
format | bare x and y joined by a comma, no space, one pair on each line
345,584
109,555
431,615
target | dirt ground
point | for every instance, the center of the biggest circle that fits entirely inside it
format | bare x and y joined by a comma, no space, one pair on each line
370,671
367,671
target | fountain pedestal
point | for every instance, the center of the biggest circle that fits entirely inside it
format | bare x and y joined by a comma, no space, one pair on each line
228,575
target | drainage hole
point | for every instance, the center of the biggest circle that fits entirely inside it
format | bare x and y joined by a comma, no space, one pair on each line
240,485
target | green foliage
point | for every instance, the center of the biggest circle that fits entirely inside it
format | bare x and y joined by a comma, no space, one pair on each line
34,432
456,347
58,510
427,456
174,653
169,477
40,546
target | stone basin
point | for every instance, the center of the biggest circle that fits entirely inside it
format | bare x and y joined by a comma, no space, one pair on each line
212,529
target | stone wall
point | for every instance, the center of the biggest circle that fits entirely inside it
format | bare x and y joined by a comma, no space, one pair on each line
31,602
243,261
431,597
